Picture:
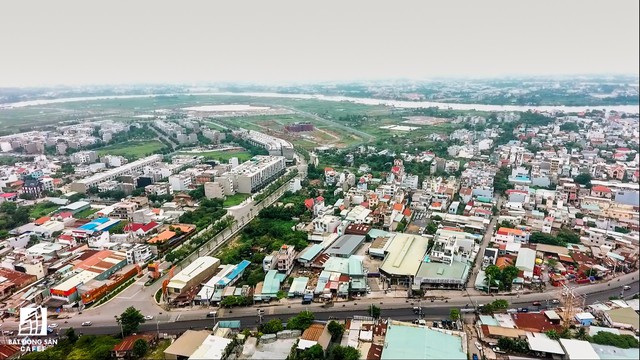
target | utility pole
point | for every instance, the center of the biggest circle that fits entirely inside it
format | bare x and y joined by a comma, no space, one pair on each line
120,323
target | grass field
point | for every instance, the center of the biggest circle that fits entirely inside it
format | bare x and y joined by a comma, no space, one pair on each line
42,209
133,149
234,200
86,214
222,155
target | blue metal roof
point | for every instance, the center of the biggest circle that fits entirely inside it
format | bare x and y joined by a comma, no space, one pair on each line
94,224
238,269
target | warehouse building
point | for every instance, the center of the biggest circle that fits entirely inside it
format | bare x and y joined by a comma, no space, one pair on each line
403,258
194,274
408,341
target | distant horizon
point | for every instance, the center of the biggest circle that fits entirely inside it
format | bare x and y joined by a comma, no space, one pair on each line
75,43
563,77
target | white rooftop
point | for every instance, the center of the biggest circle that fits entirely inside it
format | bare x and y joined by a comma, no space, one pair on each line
579,350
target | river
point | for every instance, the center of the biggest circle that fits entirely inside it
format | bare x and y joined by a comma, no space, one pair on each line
634,109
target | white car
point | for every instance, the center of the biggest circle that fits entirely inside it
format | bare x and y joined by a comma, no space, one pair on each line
87,323
53,326
478,346
148,317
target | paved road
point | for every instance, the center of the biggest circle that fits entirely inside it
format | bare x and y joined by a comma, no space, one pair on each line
397,308
485,242
197,319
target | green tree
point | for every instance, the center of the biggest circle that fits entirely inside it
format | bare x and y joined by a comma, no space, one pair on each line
621,341
500,304
552,334
71,335
432,228
313,353
344,353
454,314
582,334
301,321
583,179
130,320
336,330
272,326
140,348
374,311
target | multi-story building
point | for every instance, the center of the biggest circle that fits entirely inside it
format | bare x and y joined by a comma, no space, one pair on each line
138,253
256,173
214,190
180,182
159,189
132,168
286,258
33,187
124,210
450,245
84,157
274,145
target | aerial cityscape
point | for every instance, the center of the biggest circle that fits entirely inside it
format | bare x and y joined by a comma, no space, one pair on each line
344,217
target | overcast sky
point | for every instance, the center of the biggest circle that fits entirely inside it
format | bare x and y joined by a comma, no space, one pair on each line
75,42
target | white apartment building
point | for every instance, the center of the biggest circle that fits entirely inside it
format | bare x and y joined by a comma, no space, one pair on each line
326,224
180,182
453,245
84,157
132,168
214,190
159,189
410,181
256,173
275,146
138,253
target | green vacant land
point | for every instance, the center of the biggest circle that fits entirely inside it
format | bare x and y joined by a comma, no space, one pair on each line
42,209
234,200
133,149
222,155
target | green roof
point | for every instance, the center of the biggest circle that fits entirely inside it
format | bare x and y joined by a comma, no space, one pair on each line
272,282
229,324
457,271
406,341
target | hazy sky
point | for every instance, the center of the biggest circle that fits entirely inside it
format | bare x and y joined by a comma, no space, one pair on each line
74,42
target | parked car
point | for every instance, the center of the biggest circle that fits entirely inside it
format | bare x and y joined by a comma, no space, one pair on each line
53,326
148,317
497,350
87,323
536,303
478,346
212,314
475,357
523,310
626,287
555,301
7,332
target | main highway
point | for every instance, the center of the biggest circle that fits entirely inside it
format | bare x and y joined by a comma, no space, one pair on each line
395,308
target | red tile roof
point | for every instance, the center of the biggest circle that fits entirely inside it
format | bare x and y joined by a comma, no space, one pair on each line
42,220
600,188
144,227
127,343
536,322
6,351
